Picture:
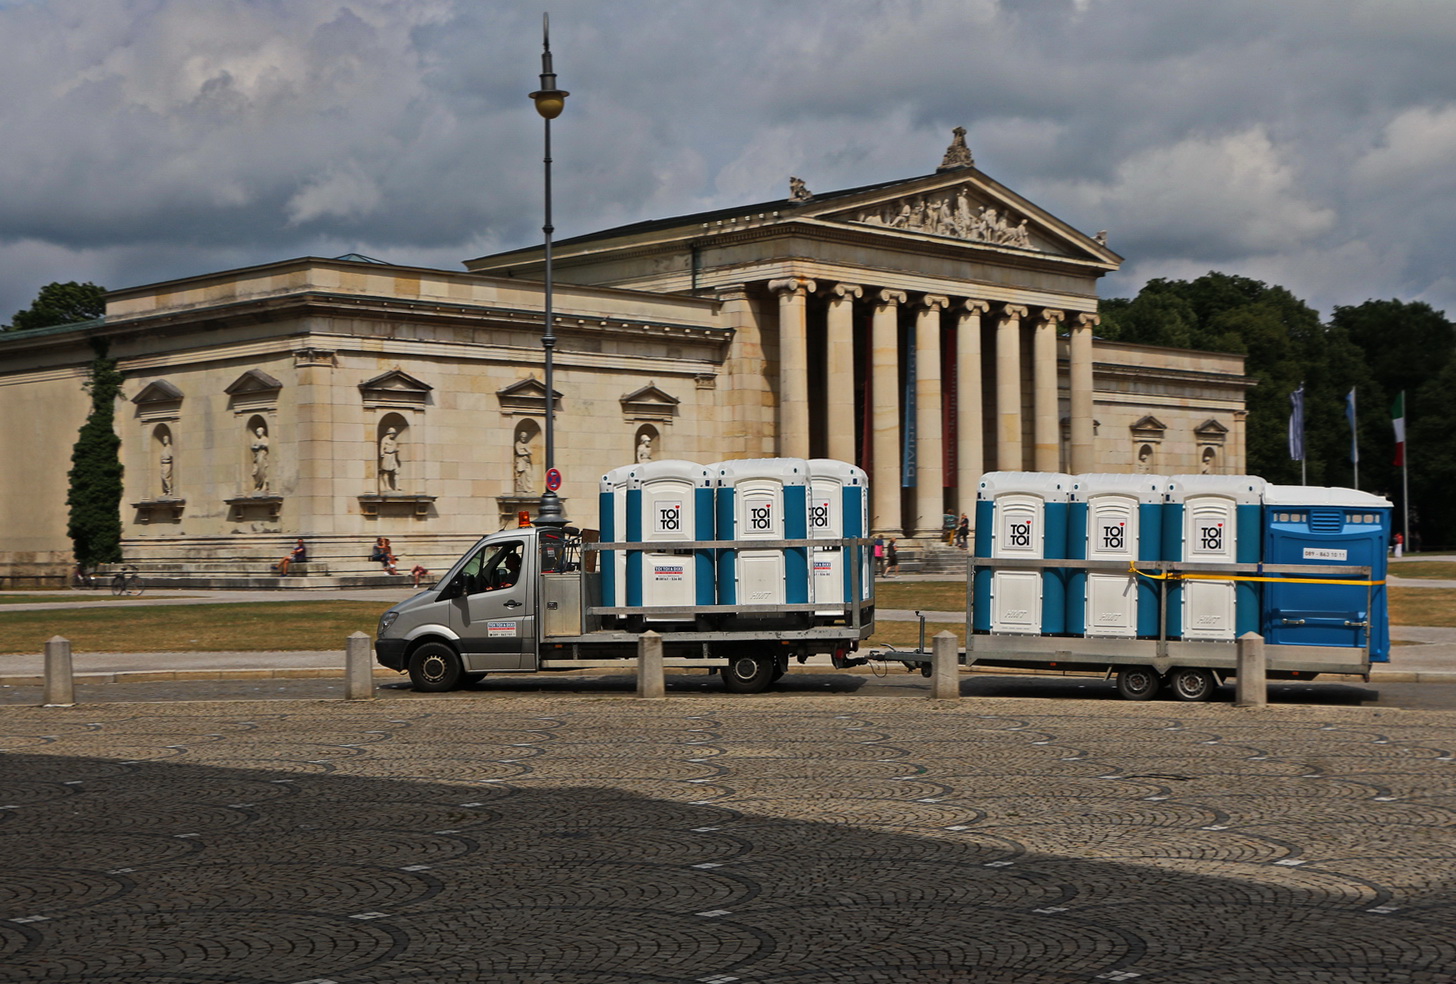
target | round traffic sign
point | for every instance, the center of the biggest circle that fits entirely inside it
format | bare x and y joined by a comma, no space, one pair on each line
553,479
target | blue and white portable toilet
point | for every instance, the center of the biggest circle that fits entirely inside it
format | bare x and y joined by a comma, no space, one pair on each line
1116,518
1020,515
667,501
1329,527
1212,519
612,520
762,499
839,508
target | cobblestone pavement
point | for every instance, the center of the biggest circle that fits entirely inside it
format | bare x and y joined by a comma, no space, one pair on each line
529,839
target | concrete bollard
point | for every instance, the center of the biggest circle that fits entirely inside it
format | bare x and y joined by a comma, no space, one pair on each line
1251,688
945,669
649,666
60,686
358,668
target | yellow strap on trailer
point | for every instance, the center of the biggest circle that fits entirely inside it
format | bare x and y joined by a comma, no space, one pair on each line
1180,576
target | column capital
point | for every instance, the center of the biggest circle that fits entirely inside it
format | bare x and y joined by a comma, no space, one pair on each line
935,302
974,307
1013,311
888,297
792,285
1086,320
850,292
1051,316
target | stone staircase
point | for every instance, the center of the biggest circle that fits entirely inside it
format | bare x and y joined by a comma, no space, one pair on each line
933,559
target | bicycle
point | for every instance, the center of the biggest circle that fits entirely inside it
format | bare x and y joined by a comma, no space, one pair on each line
127,582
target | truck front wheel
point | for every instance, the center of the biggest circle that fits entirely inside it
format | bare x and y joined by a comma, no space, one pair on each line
748,674
1138,683
435,668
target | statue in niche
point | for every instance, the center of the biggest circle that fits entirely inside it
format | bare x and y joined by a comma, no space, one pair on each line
644,448
523,462
389,461
259,447
165,464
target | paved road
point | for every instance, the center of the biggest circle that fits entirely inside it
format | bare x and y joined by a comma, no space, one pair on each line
787,839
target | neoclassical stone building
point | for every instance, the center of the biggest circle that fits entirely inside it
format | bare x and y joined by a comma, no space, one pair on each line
929,329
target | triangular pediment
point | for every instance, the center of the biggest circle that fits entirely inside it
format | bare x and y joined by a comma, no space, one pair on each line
962,205
650,402
159,391
251,382
1211,430
395,381
1149,427
526,396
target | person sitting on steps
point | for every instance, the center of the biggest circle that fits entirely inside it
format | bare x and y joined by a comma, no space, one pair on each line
384,555
298,555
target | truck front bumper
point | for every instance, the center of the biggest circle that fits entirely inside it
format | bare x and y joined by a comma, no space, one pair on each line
391,653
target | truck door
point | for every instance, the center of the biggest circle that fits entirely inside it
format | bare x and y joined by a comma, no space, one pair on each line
494,613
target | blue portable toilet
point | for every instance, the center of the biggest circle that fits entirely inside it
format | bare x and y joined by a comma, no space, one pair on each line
612,519
666,501
1331,527
1114,518
1212,519
1021,515
838,508
762,499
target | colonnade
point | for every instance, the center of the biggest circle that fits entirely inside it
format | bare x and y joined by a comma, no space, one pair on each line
882,382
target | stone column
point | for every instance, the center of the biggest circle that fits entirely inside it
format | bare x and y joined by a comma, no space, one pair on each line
1008,388
885,387
970,450
839,400
1084,457
929,405
793,366
1046,455
744,399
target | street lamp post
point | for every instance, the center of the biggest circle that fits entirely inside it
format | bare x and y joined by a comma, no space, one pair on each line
550,101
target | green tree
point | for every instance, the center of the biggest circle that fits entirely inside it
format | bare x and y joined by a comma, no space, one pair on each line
62,304
94,499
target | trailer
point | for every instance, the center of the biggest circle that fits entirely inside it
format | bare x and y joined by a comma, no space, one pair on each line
1189,669
530,600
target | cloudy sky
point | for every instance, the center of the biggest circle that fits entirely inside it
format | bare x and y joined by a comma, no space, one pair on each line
1309,143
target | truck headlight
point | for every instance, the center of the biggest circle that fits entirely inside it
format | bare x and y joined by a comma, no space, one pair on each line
386,620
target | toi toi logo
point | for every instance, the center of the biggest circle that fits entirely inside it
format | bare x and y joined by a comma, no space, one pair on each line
1112,537
1020,534
819,516
760,517
669,519
1211,538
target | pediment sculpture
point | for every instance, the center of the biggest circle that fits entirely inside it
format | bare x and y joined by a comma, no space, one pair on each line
951,213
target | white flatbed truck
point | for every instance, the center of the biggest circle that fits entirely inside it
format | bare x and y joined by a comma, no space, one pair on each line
528,600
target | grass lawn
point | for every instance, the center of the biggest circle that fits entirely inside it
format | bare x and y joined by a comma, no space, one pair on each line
325,625
268,625
1438,569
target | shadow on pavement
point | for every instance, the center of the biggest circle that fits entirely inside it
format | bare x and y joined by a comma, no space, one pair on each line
497,854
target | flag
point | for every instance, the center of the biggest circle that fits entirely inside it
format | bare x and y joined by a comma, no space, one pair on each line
1354,435
1296,424
1397,417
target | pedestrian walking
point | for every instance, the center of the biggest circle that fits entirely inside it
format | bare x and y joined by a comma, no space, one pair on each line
892,558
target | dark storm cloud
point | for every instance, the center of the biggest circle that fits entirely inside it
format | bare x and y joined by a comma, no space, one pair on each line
1305,142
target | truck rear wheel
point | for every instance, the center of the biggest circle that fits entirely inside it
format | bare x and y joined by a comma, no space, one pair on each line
748,674
1192,685
435,668
1138,683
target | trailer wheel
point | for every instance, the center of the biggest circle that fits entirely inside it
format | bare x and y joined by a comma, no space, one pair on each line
748,674
1191,685
435,668
1138,683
